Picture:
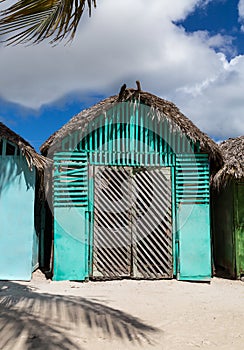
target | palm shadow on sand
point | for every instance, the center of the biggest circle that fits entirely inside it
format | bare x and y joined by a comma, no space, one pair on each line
29,320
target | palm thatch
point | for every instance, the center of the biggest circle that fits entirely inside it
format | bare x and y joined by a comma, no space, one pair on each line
32,158
34,21
163,110
233,168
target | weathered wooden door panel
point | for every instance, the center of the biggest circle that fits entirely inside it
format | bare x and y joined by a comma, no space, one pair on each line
132,223
151,227
112,228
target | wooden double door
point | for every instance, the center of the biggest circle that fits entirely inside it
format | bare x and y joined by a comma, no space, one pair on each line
132,231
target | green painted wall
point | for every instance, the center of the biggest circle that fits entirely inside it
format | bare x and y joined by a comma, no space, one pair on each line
239,228
223,238
18,241
228,230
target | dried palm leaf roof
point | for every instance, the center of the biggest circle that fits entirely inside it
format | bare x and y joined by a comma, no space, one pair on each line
163,109
32,158
233,168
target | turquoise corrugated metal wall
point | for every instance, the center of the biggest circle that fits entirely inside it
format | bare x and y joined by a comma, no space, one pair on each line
18,242
130,135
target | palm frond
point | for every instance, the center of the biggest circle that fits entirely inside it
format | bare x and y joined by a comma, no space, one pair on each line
34,21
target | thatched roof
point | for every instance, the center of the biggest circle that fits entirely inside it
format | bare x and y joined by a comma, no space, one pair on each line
32,158
162,108
233,168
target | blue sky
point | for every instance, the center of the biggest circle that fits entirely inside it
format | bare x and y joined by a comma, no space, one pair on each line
190,52
219,16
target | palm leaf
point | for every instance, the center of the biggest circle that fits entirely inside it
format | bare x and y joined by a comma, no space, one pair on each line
34,21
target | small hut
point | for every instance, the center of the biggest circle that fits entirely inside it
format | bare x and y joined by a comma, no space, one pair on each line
131,192
20,166
228,210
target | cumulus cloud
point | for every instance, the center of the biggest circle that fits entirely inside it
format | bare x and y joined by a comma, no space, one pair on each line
241,8
241,13
121,41
124,41
217,107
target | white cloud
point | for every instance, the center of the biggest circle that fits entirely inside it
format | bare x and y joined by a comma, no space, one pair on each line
219,108
241,8
241,13
124,41
121,40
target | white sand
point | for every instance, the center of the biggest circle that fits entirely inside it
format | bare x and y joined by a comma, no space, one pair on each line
125,314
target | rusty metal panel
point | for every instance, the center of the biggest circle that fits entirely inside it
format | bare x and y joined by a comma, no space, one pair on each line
132,223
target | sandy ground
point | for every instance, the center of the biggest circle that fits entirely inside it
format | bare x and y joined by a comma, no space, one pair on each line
126,314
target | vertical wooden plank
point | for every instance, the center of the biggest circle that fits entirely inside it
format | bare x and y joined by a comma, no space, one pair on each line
132,134
146,135
114,135
96,136
112,250
142,162
4,146
100,126
156,130
110,139
136,151
123,134
238,227
106,140
90,140
151,224
174,251
127,116
161,150
119,133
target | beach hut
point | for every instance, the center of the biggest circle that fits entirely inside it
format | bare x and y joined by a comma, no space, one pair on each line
228,210
131,192
19,169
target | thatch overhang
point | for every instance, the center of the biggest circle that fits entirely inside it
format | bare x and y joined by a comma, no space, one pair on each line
161,108
32,157
232,151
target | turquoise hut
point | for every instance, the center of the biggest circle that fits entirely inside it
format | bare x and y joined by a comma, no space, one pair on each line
19,169
131,192
228,210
